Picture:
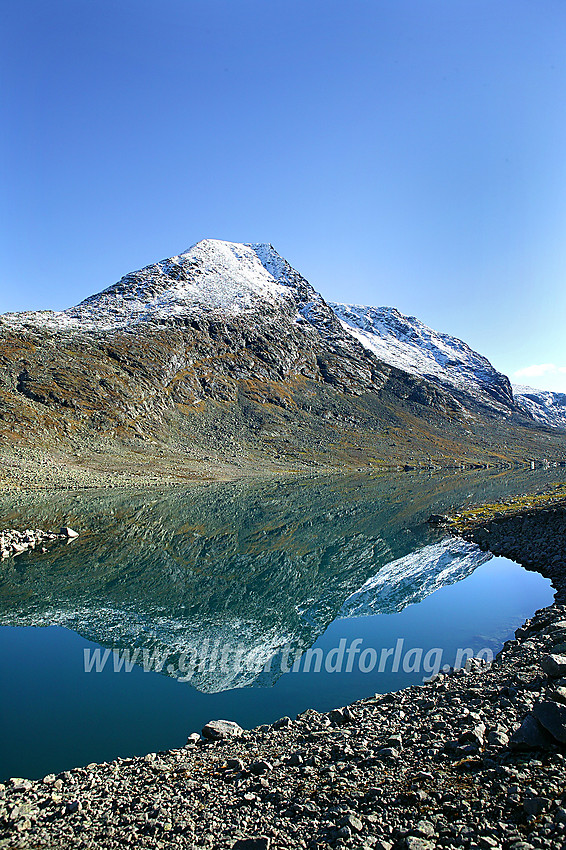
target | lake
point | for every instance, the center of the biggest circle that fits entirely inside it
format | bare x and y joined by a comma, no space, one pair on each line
245,601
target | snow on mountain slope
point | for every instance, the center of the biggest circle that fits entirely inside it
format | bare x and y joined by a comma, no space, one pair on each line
222,282
546,408
213,275
408,344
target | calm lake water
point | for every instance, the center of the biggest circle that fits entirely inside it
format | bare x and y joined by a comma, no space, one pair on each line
240,601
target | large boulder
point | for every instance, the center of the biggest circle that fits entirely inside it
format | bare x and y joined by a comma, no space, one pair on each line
215,730
530,736
552,716
554,665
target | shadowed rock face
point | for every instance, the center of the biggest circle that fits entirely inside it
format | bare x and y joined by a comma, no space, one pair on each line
266,566
225,354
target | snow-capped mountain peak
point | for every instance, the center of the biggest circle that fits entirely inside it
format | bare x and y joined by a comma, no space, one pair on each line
226,278
212,275
410,345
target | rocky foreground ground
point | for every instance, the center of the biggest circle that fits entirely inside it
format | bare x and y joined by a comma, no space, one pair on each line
474,759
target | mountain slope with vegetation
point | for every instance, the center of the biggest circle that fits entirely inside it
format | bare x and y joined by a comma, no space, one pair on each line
220,362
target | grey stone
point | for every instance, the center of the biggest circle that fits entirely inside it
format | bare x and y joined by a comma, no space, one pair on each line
554,665
260,767
559,694
530,736
337,717
19,784
552,716
424,776
217,729
486,842
69,533
498,739
473,736
389,753
351,821
341,716
424,828
192,739
412,842
260,843
535,805
282,723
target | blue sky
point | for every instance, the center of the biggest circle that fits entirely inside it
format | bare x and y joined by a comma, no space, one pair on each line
397,152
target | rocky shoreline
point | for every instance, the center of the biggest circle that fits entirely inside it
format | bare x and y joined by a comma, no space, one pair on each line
474,759
14,543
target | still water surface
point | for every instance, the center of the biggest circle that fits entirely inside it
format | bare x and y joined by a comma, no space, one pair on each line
228,586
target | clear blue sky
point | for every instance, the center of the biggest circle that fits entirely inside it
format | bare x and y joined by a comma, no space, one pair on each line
396,152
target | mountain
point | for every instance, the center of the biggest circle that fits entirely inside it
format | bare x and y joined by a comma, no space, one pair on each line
546,408
407,343
212,278
221,361
411,579
447,362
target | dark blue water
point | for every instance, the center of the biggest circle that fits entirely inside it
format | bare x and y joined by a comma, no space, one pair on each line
269,572
54,716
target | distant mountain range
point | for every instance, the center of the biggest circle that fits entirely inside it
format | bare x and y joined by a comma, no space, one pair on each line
224,360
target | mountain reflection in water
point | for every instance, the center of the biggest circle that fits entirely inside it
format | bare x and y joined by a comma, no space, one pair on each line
265,566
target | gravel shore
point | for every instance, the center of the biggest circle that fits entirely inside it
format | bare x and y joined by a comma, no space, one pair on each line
473,759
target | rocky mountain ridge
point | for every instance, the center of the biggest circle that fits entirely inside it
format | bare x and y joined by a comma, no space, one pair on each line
546,407
446,361
408,344
210,277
